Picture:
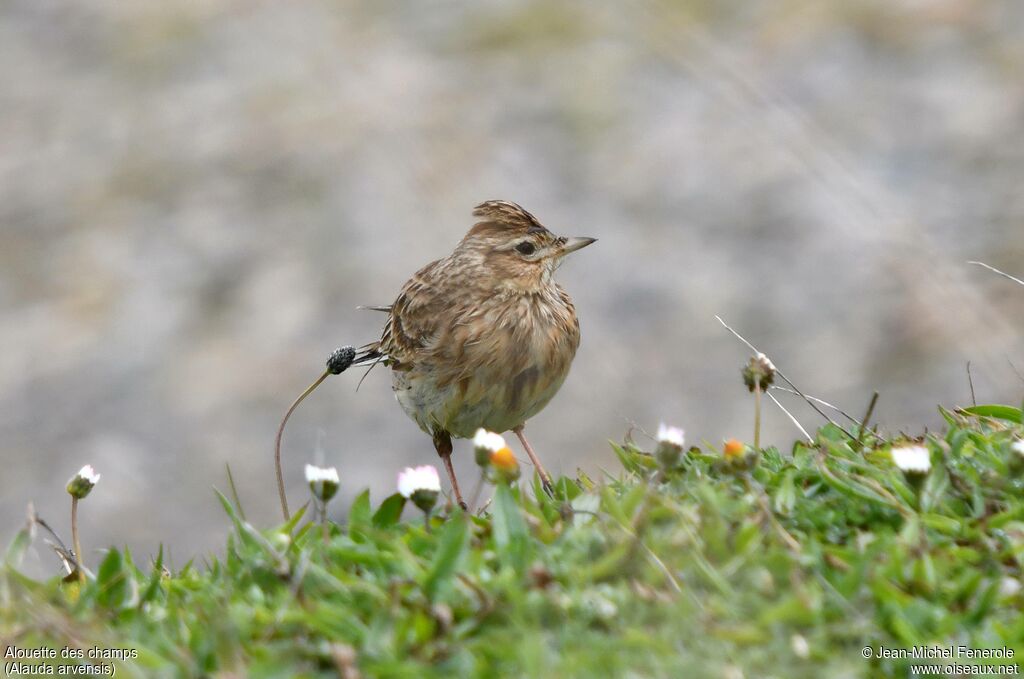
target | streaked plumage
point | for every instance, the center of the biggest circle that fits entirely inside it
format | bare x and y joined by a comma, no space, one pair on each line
483,337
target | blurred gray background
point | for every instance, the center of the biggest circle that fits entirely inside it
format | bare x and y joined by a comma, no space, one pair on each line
195,196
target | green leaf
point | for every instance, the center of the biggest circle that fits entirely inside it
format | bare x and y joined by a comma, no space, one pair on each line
943,524
452,544
509,528
633,460
627,460
998,412
566,489
784,498
934,488
116,587
848,486
248,534
949,417
154,578
390,511
984,603
296,517
19,545
359,516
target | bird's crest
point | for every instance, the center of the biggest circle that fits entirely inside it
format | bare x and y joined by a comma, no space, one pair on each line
504,215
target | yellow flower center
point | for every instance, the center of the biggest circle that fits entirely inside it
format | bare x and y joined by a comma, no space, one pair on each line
733,449
504,459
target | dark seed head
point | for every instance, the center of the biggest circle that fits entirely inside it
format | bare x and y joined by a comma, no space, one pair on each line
340,359
759,369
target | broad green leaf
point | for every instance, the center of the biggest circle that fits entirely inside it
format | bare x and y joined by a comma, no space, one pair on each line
995,411
566,489
451,545
359,516
510,535
116,587
784,498
389,512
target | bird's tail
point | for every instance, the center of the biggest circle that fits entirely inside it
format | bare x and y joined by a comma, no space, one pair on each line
368,355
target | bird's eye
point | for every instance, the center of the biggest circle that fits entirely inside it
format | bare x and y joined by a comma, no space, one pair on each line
526,248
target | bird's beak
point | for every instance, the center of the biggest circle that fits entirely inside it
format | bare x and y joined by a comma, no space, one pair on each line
574,244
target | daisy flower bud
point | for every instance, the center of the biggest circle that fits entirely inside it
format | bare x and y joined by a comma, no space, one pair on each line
912,460
1018,447
759,368
81,483
505,464
670,446
421,485
322,481
485,444
733,450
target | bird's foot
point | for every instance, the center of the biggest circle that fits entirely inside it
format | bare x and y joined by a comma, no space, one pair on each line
548,487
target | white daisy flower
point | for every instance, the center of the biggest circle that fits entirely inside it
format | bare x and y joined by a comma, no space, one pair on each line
81,483
421,485
315,474
672,435
424,477
1018,447
89,474
323,481
912,459
670,446
488,440
485,444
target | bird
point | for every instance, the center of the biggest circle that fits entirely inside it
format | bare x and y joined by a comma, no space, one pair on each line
484,337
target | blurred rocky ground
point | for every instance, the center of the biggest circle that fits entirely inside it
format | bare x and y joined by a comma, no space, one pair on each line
195,196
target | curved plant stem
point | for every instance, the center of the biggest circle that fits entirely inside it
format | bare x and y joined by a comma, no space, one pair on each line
277,443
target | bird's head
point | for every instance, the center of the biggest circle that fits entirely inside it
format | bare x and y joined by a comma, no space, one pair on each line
516,249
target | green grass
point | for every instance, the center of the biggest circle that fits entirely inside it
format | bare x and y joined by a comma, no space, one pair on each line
783,565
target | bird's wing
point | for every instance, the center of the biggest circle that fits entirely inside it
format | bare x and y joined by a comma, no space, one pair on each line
414,320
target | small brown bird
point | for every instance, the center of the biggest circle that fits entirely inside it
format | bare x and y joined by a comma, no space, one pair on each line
483,337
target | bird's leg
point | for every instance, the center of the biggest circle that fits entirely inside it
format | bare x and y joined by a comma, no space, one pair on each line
545,478
443,445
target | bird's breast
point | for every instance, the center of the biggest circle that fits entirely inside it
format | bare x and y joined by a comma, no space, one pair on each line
503,362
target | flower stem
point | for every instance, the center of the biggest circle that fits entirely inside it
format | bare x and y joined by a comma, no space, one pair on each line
79,565
277,443
757,413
